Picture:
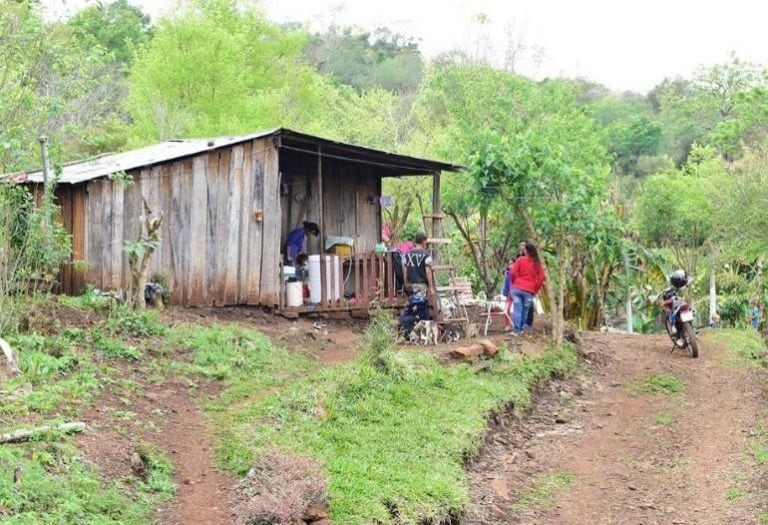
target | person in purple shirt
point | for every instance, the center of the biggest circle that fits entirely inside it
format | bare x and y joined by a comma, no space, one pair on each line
295,241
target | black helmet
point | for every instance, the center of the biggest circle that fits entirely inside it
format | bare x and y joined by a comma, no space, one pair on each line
678,278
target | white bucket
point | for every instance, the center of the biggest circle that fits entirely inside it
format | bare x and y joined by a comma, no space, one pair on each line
294,293
332,267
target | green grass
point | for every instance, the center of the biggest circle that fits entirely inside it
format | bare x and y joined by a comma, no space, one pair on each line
541,494
747,346
661,384
243,360
55,376
664,419
759,453
57,487
394,429
734,494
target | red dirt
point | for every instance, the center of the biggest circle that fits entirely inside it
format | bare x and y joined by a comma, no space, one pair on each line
627,465
167,416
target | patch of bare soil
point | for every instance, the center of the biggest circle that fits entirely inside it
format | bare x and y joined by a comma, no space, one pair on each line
166,416
594,451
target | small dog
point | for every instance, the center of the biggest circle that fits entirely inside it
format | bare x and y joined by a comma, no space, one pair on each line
424,333
451,333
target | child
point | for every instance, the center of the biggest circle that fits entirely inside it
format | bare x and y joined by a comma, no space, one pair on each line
754,314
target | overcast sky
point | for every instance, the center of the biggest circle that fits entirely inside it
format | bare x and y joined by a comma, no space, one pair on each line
624,45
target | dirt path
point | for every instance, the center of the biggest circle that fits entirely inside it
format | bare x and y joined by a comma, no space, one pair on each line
203,493
595,451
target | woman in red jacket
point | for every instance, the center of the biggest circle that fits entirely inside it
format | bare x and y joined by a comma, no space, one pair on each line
527,277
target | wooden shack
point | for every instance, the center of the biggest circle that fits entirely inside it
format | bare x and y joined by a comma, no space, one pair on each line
228,205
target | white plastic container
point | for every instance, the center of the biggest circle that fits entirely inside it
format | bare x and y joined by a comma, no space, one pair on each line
288,272
332,267
294,293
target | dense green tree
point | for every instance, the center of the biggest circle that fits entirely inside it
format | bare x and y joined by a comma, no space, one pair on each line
677,209
553,175
713,107
219,68
117,27
50,87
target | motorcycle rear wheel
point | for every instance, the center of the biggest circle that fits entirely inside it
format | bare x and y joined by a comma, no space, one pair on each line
690,337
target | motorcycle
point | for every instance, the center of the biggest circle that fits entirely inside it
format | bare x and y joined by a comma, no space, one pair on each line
678,318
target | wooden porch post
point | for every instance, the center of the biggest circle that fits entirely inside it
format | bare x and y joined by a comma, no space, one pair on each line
437,232
321,220
321,224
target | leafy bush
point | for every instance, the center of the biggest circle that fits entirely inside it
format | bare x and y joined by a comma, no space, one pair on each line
32,248
734,311
135,323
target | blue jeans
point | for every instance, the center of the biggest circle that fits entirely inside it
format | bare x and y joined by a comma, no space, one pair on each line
522,302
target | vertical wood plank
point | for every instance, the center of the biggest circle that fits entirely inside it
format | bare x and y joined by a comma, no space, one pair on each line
436,221
63,196
270,278
334,279
246,220
356,270
197,277
222,226
213,242
185,237
320,199
323,282
78,237
380,278
167,267
109,236
176,230
116,254
234,209
255,231
95,233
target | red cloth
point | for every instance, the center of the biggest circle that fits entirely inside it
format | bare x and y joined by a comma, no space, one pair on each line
527,275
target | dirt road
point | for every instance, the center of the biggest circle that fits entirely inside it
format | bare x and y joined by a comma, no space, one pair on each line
618,446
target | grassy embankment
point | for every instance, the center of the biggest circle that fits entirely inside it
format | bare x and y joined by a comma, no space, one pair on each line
393,430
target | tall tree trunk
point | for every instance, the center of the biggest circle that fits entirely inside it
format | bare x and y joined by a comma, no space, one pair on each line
558,323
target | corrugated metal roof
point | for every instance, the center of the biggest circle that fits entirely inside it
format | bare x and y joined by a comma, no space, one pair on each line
77,172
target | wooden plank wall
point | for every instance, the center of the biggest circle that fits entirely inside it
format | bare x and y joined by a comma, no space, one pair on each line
71,201
298,172
215,248
346,189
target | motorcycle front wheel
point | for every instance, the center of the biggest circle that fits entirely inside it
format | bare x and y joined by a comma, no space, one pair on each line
690,338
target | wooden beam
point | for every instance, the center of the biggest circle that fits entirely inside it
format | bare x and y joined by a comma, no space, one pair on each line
436,213
320,197
432,240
